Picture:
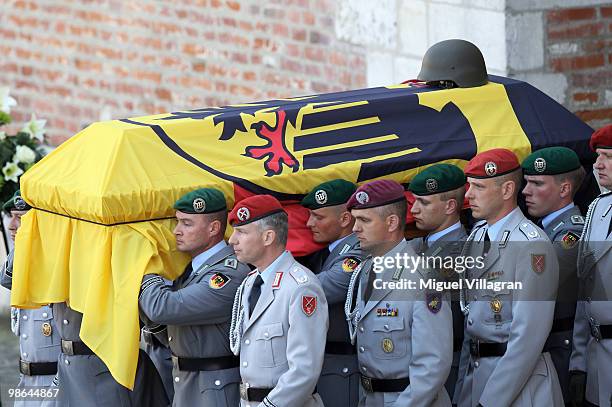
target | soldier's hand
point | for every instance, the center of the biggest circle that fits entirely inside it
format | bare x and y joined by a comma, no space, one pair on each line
577,387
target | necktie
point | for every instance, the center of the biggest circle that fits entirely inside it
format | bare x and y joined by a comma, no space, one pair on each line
187,272
367,293
424,246
487,243
255,293
610,227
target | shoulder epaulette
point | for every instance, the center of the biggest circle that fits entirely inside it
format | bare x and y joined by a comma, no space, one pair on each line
299,275
529,230
231,262
577,220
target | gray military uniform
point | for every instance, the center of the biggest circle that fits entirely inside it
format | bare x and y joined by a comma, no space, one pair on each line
520,318
592,352
401,333
197,310
564,231
39,342
86,381
339,381
282,343
449,244
154,341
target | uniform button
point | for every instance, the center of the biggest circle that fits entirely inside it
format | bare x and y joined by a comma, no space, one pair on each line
361,349
24,354
24,336
566,341
476,364
176,380
66,361
217,382
245,364
386,327
470,322
45,315
475,298
361,329
169,338
363,368
25,317
266,334
65,322
247,342
345,370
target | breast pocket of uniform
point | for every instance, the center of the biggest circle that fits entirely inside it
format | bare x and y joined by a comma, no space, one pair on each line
43,322
272,345
499,307
391,338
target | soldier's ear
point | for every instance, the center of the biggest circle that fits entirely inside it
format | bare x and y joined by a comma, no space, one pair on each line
450,206
345,219
565,189
268,237
393,223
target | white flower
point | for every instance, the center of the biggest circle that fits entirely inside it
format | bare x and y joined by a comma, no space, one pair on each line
12,172
6,101
2,135
35,128
24,154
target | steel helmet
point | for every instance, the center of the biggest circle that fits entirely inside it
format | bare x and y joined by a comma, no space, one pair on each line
457,61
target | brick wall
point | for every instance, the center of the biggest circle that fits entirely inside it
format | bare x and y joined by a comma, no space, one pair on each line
579,41
76,62
569,44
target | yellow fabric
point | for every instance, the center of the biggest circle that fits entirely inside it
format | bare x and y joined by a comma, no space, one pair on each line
115,172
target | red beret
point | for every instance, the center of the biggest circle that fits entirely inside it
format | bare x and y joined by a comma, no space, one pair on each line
254,208
376,193
602,138
492,163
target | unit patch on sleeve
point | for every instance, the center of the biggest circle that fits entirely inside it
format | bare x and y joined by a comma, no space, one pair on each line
350,264
538,262
569,240
218,280
309,304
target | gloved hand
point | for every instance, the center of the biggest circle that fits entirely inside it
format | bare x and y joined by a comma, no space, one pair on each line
577,387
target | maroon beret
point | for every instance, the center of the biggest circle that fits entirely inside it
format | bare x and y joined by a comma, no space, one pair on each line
254,208
376,193
492,163
602,138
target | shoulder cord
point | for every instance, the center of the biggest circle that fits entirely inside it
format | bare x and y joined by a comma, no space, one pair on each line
353,316
463,297
235,333
582,243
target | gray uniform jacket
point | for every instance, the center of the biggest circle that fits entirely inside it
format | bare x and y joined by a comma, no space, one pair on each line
590,354
403,333
197,310
85,381
339,382
39,340
564,231
521,317
282,343
450,244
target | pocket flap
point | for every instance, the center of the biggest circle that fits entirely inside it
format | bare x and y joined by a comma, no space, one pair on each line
396,324
269,331
42,314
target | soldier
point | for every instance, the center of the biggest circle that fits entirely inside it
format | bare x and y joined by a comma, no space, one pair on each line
553,176
331,223
197,308
403,335
154,341
39,342
279,319
439,191
510,312
591,361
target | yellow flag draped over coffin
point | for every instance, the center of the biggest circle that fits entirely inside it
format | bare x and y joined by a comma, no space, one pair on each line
103,200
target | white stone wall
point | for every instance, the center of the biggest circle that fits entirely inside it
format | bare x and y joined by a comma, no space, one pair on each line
396,33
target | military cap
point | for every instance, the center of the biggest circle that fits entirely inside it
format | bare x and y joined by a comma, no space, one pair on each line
376,193
203,200
492,163
551,161
602,138
437,179
330,193
16,202
254,208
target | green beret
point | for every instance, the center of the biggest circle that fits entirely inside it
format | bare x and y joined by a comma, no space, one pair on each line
16,202
203,200
551,161
437,179
330,193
